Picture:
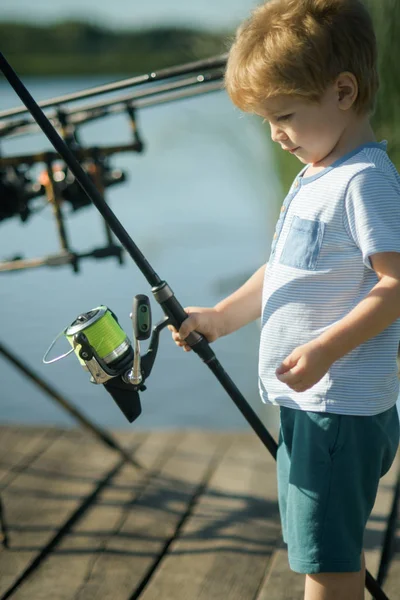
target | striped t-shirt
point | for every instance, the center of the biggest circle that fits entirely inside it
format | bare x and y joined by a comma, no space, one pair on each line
319,269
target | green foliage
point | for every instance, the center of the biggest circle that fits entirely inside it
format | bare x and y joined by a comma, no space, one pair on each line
74,48
386,121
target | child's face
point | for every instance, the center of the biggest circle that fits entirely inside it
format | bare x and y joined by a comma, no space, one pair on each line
307,129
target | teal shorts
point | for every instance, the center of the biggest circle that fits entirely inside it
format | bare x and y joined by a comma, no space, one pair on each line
329,468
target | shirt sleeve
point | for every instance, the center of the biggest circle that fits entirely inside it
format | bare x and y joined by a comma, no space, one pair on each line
372,213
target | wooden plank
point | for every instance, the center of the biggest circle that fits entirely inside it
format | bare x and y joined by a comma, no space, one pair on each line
16,442
41,498
376,528
131,554
224,547
19,446
280,582
13,436
110,551
283,584
377,523
392,582
161,533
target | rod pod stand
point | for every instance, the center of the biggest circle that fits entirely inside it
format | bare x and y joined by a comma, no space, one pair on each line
160,289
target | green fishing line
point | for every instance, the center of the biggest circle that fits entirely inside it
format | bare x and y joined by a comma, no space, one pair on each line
102,332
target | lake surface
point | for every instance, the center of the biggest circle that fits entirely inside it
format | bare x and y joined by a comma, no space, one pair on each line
201,204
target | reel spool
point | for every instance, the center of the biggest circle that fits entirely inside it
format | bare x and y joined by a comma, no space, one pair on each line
103,348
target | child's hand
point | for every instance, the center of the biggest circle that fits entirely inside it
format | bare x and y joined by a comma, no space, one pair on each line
304,367
206,321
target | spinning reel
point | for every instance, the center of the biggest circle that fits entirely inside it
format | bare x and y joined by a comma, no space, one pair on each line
105,351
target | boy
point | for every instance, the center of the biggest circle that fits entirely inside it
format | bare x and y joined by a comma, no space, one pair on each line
329,296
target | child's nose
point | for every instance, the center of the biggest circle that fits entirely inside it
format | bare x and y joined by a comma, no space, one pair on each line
277,134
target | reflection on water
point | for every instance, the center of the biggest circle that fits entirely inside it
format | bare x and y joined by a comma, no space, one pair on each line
201,204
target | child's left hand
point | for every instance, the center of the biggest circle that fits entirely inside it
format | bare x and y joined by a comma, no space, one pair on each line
304,367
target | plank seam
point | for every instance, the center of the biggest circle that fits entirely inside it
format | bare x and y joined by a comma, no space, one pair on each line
199,490
68,524
269,570
27,461
388,547
143,485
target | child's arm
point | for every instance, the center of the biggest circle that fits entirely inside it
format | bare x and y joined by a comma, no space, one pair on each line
307,364
235,311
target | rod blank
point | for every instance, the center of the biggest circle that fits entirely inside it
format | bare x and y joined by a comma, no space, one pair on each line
152,96
168,73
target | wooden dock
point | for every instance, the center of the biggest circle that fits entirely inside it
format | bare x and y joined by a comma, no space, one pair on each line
196,520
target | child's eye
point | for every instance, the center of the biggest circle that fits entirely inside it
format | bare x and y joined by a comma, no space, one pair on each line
284,117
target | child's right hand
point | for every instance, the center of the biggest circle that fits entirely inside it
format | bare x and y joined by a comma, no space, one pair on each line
207,321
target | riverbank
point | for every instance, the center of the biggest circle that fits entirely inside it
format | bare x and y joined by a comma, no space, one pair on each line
75,48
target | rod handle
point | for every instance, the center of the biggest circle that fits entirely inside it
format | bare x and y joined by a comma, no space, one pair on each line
176,314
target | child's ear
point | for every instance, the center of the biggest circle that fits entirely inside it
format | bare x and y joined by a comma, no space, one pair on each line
347,90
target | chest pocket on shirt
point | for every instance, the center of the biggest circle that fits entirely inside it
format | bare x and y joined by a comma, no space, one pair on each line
303,244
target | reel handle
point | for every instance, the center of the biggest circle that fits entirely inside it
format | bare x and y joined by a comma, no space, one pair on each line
141,317
141,321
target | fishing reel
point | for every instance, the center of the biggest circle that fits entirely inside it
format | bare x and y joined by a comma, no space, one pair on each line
105,351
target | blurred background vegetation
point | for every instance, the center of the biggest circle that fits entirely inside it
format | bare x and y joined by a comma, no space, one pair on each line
76,48
386,120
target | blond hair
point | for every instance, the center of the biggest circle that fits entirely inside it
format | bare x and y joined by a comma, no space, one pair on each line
298,48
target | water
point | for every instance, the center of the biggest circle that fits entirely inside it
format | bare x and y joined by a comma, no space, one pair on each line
201,204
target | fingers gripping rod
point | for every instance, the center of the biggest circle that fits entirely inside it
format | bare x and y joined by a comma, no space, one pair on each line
161,290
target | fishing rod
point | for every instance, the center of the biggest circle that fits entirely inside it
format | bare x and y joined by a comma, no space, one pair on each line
167,73
198,84
157,94
124,387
